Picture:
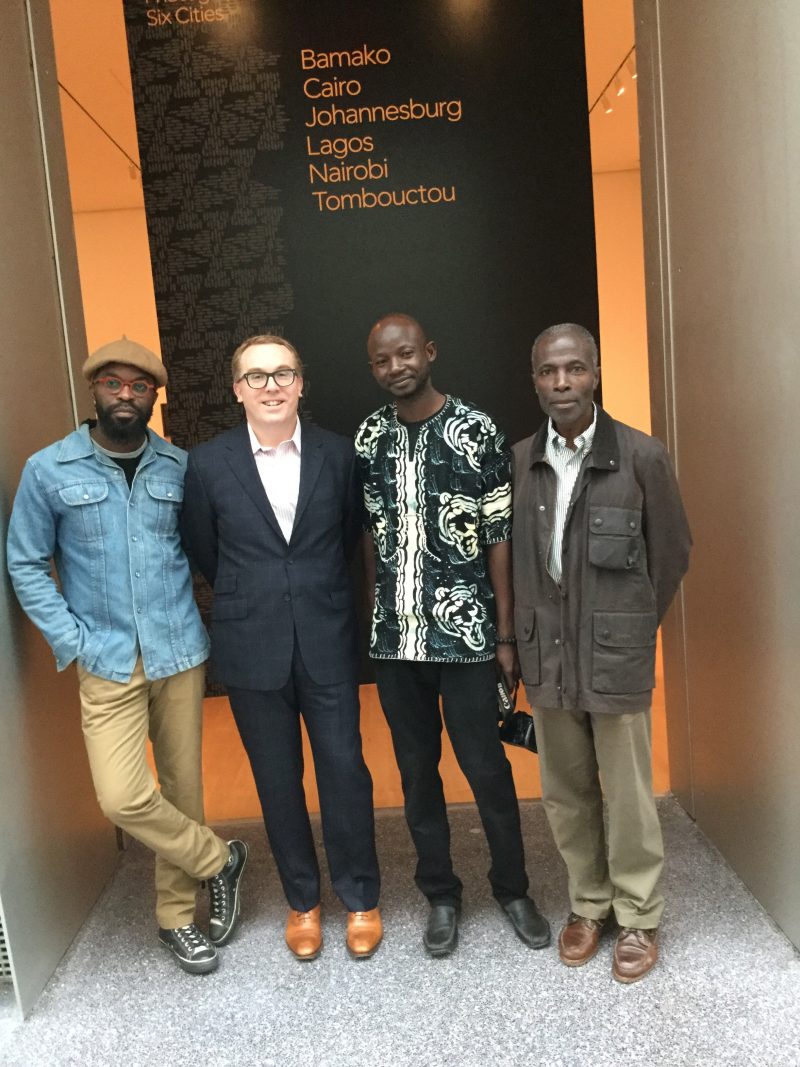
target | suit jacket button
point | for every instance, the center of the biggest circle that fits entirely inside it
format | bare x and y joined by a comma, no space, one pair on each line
287,596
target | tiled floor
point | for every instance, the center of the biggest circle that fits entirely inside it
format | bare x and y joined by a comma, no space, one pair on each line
726,991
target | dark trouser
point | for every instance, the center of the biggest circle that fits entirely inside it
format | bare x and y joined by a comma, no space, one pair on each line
269,725
409,693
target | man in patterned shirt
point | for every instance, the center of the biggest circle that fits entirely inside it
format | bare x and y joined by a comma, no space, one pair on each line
438,498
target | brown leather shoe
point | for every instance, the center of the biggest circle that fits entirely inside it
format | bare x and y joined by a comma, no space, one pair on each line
579,940
635,953
304,933
364,933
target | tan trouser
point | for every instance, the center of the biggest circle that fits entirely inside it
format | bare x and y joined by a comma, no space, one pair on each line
617,867
117,718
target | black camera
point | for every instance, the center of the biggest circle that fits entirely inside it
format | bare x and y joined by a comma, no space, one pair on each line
516,727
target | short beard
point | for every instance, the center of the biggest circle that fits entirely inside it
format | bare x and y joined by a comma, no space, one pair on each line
126,433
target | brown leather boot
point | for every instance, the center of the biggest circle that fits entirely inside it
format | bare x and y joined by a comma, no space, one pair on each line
364,933
579,940
304,933
635,953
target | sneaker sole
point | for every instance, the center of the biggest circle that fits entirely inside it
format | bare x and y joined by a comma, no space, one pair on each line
192,966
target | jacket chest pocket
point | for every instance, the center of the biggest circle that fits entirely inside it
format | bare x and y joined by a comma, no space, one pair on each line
167,498
82,513
615,538
623,651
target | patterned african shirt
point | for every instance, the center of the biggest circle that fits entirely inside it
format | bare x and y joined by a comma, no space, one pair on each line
432,512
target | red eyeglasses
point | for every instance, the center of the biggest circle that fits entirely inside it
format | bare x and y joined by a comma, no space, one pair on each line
138,387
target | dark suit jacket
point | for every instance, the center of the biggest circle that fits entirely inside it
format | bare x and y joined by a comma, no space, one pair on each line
266,590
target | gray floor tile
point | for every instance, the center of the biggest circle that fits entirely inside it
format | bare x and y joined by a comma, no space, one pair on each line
726,990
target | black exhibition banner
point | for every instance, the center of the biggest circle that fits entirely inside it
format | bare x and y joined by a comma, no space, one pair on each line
310,165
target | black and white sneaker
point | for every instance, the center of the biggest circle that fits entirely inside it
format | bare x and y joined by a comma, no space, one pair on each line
192,949
225,904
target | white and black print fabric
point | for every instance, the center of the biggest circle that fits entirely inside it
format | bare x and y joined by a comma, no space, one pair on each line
432,509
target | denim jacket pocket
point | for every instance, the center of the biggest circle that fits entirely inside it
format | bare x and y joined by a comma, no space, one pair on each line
169,497
615,537
624,651
83,509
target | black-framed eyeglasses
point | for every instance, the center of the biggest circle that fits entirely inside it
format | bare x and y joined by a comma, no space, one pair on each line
257,379
138,387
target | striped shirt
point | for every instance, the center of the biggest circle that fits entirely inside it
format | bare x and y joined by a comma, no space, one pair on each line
279,471
567,464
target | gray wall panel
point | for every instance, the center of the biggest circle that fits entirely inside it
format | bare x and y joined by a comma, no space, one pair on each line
56,850
721,139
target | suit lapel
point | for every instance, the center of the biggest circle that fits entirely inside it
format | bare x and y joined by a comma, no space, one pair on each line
312,457
243,466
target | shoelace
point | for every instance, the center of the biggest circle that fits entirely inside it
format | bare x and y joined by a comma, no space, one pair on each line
190,937
218,887
304,917
640,935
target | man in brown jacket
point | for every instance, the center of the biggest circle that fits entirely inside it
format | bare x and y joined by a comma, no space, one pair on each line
600,543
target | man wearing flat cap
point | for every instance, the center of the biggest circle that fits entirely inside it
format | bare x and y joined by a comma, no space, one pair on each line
103,505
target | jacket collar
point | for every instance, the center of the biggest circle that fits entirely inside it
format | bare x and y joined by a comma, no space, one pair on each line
78,445
605,446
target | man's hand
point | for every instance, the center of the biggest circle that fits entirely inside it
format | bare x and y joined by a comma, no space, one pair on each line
508,662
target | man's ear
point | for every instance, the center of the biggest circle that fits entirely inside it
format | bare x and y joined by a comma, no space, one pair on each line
430,349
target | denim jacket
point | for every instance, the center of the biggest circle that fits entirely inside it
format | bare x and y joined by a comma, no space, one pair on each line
125,584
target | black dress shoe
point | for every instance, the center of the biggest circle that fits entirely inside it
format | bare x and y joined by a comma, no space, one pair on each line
530,926
441,933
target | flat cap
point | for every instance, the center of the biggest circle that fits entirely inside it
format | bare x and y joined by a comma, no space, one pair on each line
130,353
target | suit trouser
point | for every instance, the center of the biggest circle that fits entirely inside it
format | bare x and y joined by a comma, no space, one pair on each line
117,718
269,725
409,694
615,868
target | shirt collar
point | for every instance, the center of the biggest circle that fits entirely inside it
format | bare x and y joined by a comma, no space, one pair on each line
583,442
257,447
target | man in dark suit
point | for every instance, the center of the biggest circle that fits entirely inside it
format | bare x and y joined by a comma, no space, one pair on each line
271,515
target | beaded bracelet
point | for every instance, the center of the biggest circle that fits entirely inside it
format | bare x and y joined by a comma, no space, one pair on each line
505,640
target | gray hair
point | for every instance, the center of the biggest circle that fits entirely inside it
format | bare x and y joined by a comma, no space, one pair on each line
564,328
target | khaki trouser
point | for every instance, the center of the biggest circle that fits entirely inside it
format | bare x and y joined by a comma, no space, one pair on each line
617,867
117,718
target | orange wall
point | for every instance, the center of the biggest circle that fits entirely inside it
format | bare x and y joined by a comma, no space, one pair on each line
620,270
116,281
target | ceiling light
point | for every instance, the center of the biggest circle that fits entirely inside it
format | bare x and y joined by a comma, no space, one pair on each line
605,103
619,88
631,65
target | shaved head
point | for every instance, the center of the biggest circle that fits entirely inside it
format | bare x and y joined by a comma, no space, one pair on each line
398,318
